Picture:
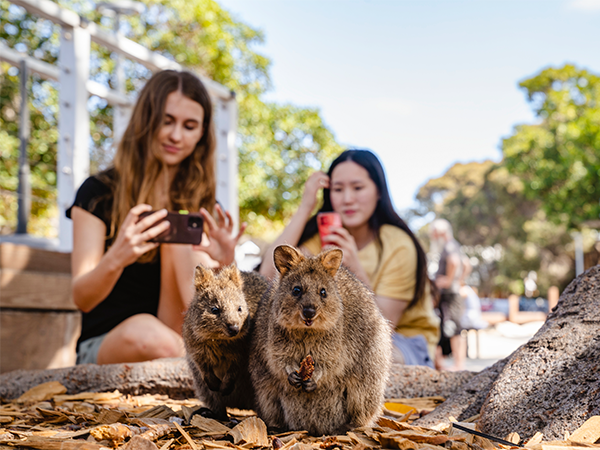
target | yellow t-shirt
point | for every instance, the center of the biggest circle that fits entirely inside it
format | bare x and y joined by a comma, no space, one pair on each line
394,276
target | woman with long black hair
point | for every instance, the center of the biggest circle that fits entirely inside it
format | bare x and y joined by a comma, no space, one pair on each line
379,248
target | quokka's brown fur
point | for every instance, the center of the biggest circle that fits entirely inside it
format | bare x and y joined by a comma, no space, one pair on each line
319,308
216,333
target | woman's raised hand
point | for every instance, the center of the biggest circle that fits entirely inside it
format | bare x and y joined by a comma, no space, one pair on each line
221,240
133,236
316,181
340,237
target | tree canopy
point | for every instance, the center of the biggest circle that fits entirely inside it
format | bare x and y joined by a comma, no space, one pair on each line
516,216
558,159
279,145
504,234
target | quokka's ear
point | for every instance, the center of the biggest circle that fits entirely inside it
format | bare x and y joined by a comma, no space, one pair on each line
332,260
286,257
203,276
233,273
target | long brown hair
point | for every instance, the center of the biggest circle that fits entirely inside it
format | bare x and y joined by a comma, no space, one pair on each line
137,164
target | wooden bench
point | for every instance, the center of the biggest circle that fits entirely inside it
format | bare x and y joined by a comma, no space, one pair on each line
39,324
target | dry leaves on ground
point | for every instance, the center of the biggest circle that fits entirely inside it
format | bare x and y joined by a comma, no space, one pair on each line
46,418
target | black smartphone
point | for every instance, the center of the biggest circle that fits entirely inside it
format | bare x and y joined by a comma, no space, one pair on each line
185,228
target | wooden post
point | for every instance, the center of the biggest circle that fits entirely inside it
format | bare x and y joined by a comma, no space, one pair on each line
227,158
578,240
73,165
513,308
553,295
24,187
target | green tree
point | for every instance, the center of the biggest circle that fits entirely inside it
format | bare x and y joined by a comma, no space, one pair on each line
275,161
558,159
201,36
43,111
505,234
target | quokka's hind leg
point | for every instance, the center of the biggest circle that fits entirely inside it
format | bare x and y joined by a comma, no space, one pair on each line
364,401
268,408
267,396
216,404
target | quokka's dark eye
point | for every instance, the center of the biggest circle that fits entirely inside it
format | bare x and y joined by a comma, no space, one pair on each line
216,311
240,309
296,291
323,293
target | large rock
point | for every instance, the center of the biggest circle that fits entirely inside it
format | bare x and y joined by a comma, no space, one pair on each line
552,383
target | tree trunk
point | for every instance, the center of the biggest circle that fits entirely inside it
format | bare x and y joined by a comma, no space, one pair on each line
466,401
164,376
552,383
172,377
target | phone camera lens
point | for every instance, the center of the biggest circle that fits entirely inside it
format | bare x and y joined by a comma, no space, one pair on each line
194,222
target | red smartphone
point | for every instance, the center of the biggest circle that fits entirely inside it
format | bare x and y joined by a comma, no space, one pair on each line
326,220
185,228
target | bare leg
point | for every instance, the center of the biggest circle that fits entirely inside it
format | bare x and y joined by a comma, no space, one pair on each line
438,362
458,345
140,338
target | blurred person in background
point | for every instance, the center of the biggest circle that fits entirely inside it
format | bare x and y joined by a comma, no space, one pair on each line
379,248
447,279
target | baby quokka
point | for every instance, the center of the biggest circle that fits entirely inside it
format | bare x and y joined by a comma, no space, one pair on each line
216,334
316,307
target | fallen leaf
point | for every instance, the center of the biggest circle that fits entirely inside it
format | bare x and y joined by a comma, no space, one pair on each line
587,433
252,430
42,392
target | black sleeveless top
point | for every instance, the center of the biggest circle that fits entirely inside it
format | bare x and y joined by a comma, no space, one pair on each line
137,290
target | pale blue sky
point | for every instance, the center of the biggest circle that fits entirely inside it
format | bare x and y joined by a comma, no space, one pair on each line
422,83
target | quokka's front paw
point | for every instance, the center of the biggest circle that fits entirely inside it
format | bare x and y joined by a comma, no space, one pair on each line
295,379
309,385
213,383
227,387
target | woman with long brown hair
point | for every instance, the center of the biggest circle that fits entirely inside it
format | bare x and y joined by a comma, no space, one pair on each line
133,292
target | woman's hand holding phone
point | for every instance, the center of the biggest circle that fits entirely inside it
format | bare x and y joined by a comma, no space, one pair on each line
221,240
133,238
341,238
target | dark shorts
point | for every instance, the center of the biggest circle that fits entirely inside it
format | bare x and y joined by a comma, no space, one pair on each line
451,312
88,350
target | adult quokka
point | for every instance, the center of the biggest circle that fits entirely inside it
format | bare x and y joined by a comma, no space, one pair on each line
216,333
318,308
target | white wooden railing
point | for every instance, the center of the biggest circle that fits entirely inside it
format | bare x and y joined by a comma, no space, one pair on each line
72,74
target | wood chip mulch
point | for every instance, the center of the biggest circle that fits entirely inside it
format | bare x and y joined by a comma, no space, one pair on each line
46,418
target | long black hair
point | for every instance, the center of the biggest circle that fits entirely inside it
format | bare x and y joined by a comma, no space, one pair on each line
384,212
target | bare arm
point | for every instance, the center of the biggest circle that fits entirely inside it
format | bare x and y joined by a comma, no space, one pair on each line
293,231
445,281
467,269
391,308
95,273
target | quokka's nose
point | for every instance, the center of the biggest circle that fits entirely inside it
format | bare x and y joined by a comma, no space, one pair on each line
233,330
308,312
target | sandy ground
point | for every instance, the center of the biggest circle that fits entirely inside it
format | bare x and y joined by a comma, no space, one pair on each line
485,347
